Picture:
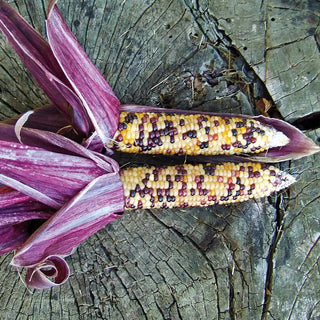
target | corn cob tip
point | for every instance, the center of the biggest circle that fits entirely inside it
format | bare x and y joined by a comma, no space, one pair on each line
284,180
278,139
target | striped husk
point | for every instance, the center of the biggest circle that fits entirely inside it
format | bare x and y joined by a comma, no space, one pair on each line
199,185
193,134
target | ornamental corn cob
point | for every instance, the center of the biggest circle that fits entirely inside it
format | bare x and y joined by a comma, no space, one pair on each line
199,185
193,134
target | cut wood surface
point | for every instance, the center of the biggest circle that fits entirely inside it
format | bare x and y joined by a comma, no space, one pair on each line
255,260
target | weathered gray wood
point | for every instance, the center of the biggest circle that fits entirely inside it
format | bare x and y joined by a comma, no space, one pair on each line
279,39
256,260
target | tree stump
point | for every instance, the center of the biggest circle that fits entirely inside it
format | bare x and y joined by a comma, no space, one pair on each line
255,260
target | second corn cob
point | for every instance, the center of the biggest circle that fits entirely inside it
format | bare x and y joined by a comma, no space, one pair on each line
199,185
193,134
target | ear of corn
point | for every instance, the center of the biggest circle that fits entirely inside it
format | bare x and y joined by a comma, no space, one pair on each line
199,185
193,134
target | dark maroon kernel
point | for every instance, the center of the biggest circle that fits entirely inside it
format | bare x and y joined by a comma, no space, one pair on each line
231,186
238,181
159,192
201,177
129,145
229,193
132,193
141,194
160,143
181,122
170,185
175,131
156,140
192,191
205,192
251,175
168,177
253,140
216,123
257,174
228,146
152,198
153,119
154,127
204,118
177,178
250,168
141,135
155,177
140,204
242,186
272,173
227,121
222,198
184,136
184,185
119,138
245,136
241,168
167,192
234,197
199,185
172,139
141,127
249,192
151,135
161,132
252,186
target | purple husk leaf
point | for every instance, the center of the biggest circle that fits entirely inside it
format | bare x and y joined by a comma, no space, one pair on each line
49,177
55,171
13,236
298,147
17,207
90,210
17,211
97,97
37,55
54,267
